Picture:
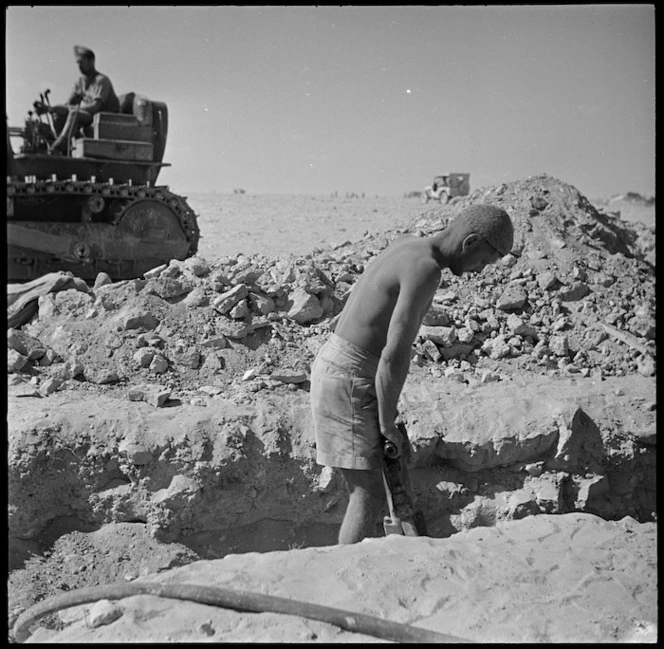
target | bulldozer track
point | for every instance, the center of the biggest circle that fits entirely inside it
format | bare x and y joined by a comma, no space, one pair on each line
91,205
130,194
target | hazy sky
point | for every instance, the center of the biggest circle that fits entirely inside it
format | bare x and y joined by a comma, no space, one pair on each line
309,100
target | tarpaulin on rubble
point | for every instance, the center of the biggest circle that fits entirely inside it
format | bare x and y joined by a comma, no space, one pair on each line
22,299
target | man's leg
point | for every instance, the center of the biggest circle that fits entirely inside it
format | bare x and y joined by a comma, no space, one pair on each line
367,497
75,118
60,114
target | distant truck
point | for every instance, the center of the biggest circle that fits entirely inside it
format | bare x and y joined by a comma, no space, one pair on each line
446,186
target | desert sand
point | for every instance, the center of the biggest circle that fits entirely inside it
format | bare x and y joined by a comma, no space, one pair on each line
535,471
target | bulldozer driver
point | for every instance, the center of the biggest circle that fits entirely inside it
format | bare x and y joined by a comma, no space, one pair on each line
92,93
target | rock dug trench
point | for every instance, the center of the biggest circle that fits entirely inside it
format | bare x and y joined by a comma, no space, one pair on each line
179,403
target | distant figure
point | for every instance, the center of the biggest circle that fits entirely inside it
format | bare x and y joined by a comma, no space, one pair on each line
359,372
93,93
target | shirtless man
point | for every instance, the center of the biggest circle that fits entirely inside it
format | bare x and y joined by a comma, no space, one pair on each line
360,371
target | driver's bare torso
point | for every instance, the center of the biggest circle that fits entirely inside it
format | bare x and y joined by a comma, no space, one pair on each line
406,268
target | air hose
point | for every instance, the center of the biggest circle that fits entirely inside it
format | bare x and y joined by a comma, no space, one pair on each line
232,599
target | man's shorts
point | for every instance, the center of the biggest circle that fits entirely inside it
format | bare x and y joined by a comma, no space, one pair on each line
345,407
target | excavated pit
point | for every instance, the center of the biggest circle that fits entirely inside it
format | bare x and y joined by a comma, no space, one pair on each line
227,479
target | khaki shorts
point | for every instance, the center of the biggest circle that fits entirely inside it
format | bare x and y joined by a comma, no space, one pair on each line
345,407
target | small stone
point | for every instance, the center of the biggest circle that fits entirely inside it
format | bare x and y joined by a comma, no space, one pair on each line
535,469
489,377
155,272
240,310
574,292
15,361
261,304
207,629
221,342
103,612
559,345
190,359
454,374
326,479
547,280
49,386
304,307
645,365
102,279
159,364
448,296
226,301
289,376
167,287
212,390
643,325
431,350
436,317
196,298
102,376
74,368
512,298
197,265
520,328
496,348
144,356
139,320
444,336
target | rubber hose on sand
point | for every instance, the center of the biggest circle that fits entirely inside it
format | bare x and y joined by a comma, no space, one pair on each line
232,599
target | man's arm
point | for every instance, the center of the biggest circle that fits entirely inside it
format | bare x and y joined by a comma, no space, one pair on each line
415,294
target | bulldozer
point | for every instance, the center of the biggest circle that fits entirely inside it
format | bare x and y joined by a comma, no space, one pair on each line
97,208
446,186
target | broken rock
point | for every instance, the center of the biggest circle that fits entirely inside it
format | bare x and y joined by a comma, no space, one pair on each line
226,301
32,348
15,361
512,298
444,336
574,292
304,307
103,612
138,320
289,376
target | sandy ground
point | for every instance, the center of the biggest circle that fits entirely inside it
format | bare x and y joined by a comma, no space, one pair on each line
568,578
282,224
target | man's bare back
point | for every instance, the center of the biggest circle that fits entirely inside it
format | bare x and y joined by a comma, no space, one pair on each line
405,266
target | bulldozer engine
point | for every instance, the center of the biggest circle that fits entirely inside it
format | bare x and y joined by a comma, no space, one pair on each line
99,208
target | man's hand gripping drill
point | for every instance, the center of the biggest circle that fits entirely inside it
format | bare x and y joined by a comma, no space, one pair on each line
403,518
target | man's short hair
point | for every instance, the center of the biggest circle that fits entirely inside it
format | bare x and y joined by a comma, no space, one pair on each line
85,52
492,223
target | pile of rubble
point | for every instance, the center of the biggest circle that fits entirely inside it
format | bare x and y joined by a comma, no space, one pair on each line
575,297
